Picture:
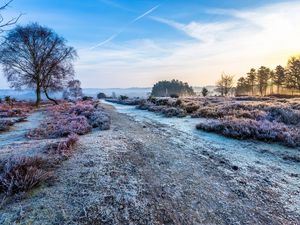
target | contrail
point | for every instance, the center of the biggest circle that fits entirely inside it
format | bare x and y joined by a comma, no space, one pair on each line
124,28
145,14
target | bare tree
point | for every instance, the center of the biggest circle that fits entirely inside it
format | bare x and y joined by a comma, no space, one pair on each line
225,84
7,23
36,57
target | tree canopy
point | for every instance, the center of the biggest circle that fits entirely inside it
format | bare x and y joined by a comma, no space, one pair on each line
172,88
34,56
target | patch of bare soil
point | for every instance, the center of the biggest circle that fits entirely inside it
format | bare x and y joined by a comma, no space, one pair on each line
137,173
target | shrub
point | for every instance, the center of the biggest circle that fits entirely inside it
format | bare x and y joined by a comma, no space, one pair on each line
61,126
191,108
23,174
63,148
101,95
172,111
284,115
5,125
100,119
78,118
19,109
123,97
161,101
178,102
174,95
87,98
251,129
82,109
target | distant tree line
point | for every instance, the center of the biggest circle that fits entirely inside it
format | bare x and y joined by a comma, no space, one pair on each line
173,88
263,81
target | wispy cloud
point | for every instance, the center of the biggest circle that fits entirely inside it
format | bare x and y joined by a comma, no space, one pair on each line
112,37
247,38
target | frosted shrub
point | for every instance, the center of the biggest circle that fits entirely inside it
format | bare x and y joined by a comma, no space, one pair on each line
100,119
65,147
5,125
61,126
191,108
17,109
172,112
82,109
284,115
23,174
251,129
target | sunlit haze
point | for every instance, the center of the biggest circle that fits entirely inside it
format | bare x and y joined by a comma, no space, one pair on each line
136,43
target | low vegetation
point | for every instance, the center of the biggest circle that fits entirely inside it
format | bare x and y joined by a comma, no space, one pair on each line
63,148
63,122
267,119
66,119
263,130
5,125
23,174
12,111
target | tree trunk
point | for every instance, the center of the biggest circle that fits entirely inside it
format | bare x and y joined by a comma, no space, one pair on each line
38,96
51,99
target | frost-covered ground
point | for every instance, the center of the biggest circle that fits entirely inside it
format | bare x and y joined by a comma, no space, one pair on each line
152,170
247,155
18,131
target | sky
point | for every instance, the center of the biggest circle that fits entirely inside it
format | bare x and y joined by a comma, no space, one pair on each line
135,43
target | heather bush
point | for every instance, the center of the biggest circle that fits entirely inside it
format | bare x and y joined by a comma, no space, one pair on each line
251,129
61,126
5,125
87,98
19,109
284,115
161,101
143,105
63,148
23,174
82,109
173,112
191,108
100,119
78,118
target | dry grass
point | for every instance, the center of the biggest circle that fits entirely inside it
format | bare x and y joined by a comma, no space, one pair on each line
23,174
64,148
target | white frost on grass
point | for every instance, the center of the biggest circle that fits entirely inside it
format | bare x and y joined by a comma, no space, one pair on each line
245,154
18,131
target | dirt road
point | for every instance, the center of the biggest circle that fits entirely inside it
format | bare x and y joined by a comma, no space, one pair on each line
148,173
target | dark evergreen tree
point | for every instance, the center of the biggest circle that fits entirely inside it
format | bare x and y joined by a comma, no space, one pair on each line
172,88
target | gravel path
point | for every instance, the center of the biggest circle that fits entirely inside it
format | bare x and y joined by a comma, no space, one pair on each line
148,173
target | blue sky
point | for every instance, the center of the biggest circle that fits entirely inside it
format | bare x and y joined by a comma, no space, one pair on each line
138,42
